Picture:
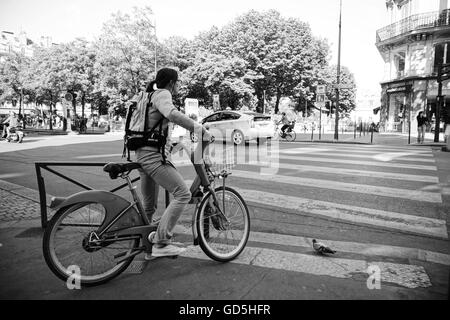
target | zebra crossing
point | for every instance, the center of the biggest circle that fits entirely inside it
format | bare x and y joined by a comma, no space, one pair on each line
387,174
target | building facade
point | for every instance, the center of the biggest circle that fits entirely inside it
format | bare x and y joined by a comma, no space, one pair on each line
414,43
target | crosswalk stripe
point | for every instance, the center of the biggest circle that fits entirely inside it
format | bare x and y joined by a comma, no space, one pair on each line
355,247
361,163
354,151
409,276
414,195
355,214
352,172
94,156
364,249
377,148
379,157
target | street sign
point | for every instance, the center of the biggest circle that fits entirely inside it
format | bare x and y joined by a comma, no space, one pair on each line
68,96
342,86
216,102
444,72
321,89
320,104
320,98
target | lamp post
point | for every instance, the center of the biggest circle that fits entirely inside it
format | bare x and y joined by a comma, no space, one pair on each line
156,47
20,101
338,80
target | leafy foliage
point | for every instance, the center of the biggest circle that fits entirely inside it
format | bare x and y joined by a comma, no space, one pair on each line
257,55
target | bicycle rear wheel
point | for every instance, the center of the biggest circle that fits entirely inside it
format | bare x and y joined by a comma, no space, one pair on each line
290,136
66,245
220,240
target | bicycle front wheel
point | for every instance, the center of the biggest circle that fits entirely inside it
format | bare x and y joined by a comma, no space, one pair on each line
219,239
70,246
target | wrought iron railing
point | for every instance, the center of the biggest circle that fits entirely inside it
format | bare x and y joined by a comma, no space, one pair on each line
414,22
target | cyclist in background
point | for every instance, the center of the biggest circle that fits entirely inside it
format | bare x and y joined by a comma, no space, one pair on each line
286,124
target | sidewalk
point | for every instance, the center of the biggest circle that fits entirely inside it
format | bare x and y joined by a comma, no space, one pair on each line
394,139
32,142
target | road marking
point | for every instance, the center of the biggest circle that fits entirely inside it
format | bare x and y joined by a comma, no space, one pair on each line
379,157
354,247
109,155
361,149
409,276
352,172
12,175
387,219
361,163
415,195
347,150
365,249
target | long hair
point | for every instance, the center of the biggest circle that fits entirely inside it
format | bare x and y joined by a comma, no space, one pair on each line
163,77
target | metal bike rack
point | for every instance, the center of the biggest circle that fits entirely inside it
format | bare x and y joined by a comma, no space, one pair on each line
41,182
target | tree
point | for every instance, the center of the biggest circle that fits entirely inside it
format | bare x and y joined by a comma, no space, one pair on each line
217,74
125,56
76,65
346,96
14,71
177,52
281,53
47,76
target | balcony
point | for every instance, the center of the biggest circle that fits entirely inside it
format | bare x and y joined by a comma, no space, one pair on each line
413,23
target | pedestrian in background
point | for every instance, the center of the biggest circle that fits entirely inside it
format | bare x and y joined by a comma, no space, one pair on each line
422,122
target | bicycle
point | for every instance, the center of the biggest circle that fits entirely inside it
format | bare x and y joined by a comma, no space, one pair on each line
289,133
101,232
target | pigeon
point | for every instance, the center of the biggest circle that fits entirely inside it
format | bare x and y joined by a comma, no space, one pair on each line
322,248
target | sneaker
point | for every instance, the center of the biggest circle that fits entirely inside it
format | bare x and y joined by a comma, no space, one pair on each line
167,251
151,236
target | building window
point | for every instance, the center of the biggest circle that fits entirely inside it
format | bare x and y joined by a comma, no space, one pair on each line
399,60
441,54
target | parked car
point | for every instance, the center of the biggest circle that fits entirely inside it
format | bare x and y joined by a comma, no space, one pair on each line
238,127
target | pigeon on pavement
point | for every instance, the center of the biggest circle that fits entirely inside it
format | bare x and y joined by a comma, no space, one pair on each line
322,248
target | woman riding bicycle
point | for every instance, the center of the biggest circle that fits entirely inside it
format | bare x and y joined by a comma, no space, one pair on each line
156,171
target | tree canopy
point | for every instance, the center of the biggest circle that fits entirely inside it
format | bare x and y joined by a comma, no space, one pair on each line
257,55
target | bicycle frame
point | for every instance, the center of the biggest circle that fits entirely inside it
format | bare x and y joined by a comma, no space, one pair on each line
142,231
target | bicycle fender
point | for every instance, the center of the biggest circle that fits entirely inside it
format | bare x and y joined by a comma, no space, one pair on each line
112,203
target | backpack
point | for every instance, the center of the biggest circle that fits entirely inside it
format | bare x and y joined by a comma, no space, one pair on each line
136,133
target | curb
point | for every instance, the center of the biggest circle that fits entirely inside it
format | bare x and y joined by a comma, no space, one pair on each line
334,141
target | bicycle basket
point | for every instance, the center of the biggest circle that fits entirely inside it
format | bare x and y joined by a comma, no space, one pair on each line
221,161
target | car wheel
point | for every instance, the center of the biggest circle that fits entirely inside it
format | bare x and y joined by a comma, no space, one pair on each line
194,137
238,137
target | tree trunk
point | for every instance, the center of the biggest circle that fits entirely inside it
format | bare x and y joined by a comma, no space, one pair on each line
83,102
51,112
260,105
277,103
74,103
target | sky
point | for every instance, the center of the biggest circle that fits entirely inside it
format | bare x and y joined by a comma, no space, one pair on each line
65,20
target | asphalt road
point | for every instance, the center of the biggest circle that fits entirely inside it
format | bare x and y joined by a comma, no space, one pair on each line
378,204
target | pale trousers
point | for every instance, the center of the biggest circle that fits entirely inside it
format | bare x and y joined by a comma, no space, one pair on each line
154,174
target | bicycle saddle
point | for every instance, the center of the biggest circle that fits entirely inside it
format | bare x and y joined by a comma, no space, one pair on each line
114,169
